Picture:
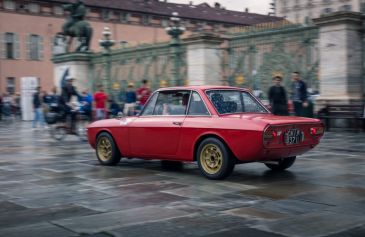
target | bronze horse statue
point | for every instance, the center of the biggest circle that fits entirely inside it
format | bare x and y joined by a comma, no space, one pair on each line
76,26
80,30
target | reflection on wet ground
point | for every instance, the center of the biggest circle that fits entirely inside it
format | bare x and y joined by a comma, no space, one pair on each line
59,189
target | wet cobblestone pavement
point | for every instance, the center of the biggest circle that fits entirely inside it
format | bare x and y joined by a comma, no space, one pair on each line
50,188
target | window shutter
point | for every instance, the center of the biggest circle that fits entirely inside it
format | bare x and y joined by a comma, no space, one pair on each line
28,46
40,48
2,45
16,47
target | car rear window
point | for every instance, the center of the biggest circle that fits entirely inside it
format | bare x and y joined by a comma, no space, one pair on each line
234,101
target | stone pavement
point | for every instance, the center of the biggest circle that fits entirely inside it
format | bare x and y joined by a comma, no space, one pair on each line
50,188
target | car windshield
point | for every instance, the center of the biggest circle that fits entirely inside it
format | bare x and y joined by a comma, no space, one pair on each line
234,101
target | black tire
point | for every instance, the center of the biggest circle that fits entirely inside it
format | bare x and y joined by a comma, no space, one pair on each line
214,159
106,150
282,164
58,132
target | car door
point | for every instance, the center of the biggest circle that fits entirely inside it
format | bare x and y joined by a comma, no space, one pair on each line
157,131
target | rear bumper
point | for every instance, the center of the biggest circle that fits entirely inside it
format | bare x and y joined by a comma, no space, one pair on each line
279,153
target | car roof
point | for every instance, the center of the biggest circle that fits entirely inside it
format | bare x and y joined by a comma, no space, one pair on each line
205,87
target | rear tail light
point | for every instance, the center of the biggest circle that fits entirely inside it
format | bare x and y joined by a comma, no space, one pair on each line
271,136
316,130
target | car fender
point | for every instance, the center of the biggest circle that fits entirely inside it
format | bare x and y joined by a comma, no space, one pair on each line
205,135
93,133
244,145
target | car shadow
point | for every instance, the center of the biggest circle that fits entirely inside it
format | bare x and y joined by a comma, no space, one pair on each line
242,173
265,176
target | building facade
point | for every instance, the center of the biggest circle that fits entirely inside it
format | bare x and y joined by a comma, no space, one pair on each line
304,10
27,30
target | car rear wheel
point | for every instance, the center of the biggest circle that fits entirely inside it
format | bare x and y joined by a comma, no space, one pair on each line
214,159
282,164
106,150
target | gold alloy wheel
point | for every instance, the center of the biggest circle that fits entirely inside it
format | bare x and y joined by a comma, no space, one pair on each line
211,158
104,148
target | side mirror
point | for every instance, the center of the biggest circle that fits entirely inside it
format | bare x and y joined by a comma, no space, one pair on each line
120,115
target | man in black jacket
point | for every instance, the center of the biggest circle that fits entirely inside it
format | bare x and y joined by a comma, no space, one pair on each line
67,92
38,109
277,97
299,94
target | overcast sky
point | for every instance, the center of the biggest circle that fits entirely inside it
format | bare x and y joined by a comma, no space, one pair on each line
255,6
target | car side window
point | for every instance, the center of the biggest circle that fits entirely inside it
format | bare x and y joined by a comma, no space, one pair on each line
172,103
148,110
197,106
251,105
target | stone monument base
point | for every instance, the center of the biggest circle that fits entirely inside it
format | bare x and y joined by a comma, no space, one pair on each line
76,65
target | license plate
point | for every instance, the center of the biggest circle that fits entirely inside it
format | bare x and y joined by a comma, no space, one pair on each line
293,136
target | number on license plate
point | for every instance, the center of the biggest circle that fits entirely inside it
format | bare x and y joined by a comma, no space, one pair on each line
294,136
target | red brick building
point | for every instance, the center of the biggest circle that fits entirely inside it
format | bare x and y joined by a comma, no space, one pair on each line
27,29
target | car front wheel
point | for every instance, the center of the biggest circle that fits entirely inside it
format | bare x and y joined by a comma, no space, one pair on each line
282,164
214,159
106,150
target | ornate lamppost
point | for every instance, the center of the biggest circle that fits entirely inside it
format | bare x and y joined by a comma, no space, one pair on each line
107,43
175,30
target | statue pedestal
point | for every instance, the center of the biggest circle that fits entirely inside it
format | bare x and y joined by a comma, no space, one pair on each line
203,59
340,44
76,65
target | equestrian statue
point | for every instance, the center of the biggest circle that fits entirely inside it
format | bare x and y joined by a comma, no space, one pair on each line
76,26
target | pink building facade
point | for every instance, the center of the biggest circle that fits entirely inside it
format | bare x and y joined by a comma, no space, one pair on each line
27,30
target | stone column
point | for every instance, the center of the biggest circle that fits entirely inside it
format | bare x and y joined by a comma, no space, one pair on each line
78,66
340,49
204,59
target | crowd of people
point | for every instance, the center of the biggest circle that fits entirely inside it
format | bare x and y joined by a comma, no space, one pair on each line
10,106
100,105
69,102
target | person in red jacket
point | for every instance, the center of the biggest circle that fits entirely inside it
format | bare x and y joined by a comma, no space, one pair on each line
143,93
100,99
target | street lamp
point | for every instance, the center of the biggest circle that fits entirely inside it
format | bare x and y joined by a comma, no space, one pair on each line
107,43
175,30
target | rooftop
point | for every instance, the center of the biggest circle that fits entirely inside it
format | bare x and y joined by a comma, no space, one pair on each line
201,11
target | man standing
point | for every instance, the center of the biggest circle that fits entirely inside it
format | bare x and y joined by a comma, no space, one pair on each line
68,91
130,100
299,94
143,93
38,109
277,97
100,99
87,100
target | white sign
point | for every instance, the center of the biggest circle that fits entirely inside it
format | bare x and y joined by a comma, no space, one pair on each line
28,87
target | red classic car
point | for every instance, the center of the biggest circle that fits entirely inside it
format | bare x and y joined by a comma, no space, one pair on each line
216,126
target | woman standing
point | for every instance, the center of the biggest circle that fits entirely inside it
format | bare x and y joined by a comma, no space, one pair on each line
277,97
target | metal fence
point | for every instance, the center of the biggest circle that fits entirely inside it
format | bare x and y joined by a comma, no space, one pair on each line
255,54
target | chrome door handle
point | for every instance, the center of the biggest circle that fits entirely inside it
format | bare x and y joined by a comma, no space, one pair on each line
177,123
